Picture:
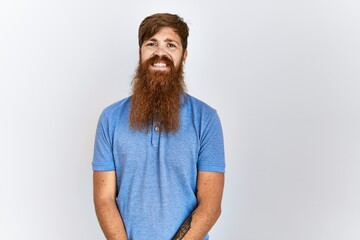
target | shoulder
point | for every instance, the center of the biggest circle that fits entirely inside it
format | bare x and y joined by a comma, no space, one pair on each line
204,117
116,108
116,111
198,106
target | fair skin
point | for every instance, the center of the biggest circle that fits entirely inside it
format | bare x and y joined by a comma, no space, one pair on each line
165,42
108,215
209,187
209,184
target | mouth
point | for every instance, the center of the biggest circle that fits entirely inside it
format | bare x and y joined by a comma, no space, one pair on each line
159,66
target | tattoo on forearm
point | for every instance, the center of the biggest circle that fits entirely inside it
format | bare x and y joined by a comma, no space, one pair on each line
185,227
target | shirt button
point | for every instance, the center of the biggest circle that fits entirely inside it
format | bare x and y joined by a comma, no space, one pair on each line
157,128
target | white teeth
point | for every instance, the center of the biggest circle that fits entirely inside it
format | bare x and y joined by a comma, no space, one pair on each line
159,65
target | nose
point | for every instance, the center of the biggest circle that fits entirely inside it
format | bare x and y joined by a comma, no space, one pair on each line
160,51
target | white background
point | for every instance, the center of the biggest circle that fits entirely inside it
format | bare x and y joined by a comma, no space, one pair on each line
283,75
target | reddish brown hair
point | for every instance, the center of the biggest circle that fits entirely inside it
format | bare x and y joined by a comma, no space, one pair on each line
152,24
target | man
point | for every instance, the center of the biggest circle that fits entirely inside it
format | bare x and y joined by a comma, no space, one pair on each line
159,156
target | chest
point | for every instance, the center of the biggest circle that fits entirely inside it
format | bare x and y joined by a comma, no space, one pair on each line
139,151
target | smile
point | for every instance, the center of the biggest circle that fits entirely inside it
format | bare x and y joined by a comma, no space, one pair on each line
160,65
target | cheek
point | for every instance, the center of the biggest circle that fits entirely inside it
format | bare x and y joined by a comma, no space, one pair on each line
177,61
144,55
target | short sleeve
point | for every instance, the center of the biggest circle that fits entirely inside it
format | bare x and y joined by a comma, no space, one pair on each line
103,159
211,154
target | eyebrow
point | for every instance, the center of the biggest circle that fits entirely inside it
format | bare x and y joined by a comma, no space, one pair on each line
171,40
166,40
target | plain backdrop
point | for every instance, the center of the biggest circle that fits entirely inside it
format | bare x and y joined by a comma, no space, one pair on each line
284,77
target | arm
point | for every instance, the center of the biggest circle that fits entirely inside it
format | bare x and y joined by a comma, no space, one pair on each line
105,205
210,187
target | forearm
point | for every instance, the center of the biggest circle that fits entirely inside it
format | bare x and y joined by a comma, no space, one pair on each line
110,220
196,226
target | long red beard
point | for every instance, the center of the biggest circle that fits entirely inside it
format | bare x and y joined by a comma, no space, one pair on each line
157,97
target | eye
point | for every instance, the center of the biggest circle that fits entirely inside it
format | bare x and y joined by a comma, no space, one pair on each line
171,45
150,44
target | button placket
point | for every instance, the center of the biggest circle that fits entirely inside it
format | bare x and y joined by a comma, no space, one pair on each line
155,132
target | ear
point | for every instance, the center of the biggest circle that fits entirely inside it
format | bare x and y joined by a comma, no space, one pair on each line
185,56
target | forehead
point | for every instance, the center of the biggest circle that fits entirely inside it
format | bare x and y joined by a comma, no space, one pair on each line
165,33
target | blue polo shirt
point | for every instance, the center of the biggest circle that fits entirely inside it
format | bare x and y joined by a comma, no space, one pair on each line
156,173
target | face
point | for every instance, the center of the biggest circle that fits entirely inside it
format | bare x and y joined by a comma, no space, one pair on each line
166,43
